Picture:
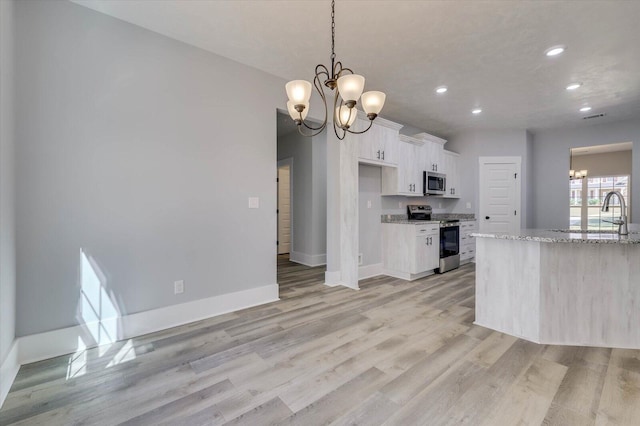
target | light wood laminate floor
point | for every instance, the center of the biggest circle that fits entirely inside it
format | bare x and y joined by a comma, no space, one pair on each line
393,353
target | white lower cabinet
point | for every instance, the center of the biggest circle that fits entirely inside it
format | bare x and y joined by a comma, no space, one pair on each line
410,251
467,242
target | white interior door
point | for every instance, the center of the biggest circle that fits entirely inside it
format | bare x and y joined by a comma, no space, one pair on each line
499,194
284,209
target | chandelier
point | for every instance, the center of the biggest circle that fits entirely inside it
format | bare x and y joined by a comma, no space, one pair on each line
575,174
348,87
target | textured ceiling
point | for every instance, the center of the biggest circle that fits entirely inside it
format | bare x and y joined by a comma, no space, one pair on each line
489,53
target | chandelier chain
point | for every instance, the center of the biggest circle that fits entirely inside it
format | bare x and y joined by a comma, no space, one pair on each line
333,29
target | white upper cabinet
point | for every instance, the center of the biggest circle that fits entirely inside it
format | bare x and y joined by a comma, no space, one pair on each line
451,165
433,152
379,145
406,179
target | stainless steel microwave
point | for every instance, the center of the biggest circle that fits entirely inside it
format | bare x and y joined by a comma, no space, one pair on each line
434,183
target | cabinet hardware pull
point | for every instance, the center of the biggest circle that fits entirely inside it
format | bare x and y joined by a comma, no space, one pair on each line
378,154
383,155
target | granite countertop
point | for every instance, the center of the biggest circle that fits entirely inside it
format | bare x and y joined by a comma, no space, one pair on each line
567,236
436,218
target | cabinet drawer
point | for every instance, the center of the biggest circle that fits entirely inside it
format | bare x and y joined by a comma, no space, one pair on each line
427,229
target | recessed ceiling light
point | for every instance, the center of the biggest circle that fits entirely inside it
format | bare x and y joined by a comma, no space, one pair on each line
574,86
585,109
476,111
441,89
555,50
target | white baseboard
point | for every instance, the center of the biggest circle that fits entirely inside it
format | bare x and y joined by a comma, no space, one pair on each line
8,371
368,271
406,275
308,259
37,347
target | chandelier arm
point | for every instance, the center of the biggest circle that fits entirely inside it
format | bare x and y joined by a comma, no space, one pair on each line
321,69
359,133
335,130
318,85
338,69
312,134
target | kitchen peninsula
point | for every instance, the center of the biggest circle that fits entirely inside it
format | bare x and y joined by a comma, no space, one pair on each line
560,286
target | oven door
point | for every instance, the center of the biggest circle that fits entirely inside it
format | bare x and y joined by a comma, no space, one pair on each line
449,241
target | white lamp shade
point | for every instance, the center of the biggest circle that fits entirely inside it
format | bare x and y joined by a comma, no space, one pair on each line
373,101
583,173
572,173
345,116
298,91
350,87
295,114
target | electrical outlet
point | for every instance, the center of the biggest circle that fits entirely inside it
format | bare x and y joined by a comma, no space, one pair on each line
360,259
400,204
254,202
178,287
440,204
468,205
368,204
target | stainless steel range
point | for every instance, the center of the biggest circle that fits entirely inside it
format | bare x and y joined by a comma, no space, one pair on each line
449,245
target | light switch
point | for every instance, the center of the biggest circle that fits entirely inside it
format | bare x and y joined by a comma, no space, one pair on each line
368,204
254,202
468,205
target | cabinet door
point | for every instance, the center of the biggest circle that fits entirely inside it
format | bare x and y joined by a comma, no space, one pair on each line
405,168
435,158
433,257
427,253
366,140
378,145
389,144
422,253
451,166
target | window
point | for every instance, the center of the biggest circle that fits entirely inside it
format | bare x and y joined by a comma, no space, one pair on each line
589,215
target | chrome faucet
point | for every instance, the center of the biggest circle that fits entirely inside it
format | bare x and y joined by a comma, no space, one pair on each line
622,222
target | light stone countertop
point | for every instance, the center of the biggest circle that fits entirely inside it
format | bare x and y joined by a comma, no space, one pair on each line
567,236
437,217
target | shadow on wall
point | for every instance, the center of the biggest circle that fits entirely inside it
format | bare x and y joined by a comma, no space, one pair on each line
99,319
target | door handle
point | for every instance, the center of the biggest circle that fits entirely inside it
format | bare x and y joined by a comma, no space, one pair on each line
383,155
378,154
487,217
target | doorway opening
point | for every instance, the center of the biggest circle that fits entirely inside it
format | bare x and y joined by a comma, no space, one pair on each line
301,231
284,206
603,168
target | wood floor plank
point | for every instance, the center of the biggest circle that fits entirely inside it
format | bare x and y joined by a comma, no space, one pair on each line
528,400
620,401
330,407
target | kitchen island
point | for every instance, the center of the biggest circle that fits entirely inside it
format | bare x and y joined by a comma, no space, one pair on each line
560,286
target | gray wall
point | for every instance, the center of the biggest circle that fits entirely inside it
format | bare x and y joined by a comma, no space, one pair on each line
370,228
136,149
309,182
489,143
551,163
7,218
319,198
